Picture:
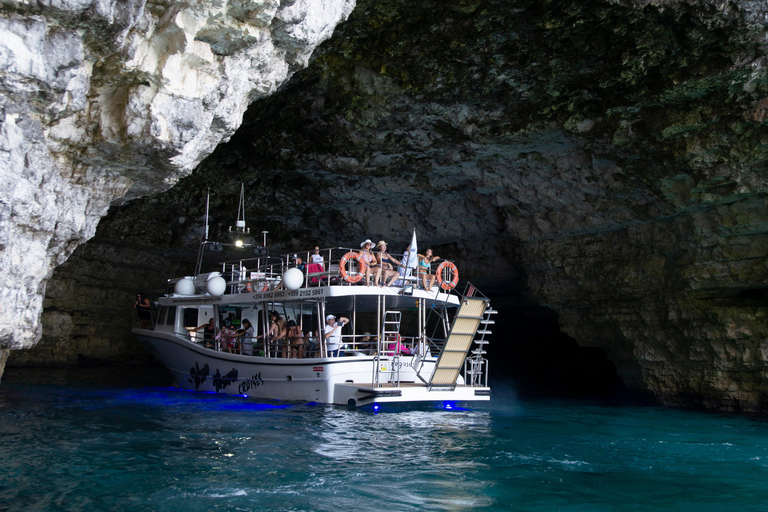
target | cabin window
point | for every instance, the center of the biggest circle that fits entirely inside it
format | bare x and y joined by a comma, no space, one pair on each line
190,317
161,315
171,320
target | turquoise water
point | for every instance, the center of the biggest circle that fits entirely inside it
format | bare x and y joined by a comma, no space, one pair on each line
91,443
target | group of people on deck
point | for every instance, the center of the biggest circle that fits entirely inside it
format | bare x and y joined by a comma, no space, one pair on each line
380,265
285,338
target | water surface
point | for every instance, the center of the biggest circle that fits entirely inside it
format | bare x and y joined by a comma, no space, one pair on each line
88,441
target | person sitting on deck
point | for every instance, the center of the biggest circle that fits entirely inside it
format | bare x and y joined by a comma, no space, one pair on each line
333,335
209,331
425,261
371,263
396,347
386,262
317,258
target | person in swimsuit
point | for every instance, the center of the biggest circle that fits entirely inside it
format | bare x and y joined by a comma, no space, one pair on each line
371,263
425,261
386,262
295,340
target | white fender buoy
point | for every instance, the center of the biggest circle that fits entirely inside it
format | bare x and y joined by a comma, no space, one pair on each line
216,286
293,278
184,286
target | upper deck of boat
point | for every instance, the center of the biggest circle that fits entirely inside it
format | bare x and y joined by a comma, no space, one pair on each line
339,281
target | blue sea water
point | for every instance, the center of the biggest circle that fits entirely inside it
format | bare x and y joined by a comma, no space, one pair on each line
93,442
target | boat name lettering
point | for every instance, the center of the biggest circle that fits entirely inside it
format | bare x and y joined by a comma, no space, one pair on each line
248,384
203,300
220,382
403,365
317,368
198,374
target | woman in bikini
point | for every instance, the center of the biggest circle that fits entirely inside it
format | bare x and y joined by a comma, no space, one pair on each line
386,261
425,260
371,263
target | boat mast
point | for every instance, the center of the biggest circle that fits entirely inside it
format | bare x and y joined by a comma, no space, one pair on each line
205,234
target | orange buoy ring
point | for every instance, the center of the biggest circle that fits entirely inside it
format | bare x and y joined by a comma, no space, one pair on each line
343,267
444,284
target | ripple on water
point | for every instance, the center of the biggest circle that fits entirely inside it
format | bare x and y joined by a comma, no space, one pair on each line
135,446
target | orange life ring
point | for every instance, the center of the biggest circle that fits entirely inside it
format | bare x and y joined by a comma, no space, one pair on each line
447,285
343,267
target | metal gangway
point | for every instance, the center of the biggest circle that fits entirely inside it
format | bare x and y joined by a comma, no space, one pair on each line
473,313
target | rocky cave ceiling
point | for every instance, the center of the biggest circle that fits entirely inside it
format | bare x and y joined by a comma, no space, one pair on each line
603,160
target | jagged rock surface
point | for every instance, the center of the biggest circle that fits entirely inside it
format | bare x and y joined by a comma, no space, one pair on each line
106,101
606,160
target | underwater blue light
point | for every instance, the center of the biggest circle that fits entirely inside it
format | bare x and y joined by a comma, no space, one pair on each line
375,407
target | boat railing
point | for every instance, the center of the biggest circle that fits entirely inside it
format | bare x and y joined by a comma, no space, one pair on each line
147,321
339,266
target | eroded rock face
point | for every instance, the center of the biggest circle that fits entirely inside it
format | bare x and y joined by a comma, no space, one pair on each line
607,161
106,101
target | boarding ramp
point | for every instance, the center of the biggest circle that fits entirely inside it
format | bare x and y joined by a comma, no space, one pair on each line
466,324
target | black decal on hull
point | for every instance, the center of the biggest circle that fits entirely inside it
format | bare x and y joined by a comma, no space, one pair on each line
248,384
198,374
220,382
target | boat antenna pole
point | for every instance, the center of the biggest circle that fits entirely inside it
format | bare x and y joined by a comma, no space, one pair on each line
240,224
205,235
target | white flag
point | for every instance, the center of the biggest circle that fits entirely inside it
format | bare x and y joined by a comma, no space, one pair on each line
413,254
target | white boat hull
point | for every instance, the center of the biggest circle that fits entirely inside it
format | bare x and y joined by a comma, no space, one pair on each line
333,380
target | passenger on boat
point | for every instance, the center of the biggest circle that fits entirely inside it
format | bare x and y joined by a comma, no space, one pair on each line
299,263
244,338
312,343
224,337
371,263
386,261
366,345
209,331
277,333
142,306
333,335
296,340
396,347
317,258
425,261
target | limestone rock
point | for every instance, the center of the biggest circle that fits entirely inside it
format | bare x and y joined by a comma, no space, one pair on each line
106,101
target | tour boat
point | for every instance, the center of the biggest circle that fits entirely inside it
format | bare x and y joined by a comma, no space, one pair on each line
398,344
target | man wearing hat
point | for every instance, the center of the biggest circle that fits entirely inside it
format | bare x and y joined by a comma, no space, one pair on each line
333,333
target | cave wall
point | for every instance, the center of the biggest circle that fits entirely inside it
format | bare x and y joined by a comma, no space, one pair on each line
611,154
106,101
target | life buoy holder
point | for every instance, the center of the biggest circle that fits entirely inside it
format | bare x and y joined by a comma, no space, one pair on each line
444,284
351,278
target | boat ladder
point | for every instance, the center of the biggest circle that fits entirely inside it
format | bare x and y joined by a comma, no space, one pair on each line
388,362
466,325
476,365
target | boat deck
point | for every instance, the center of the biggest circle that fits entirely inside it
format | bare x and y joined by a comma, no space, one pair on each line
357,393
